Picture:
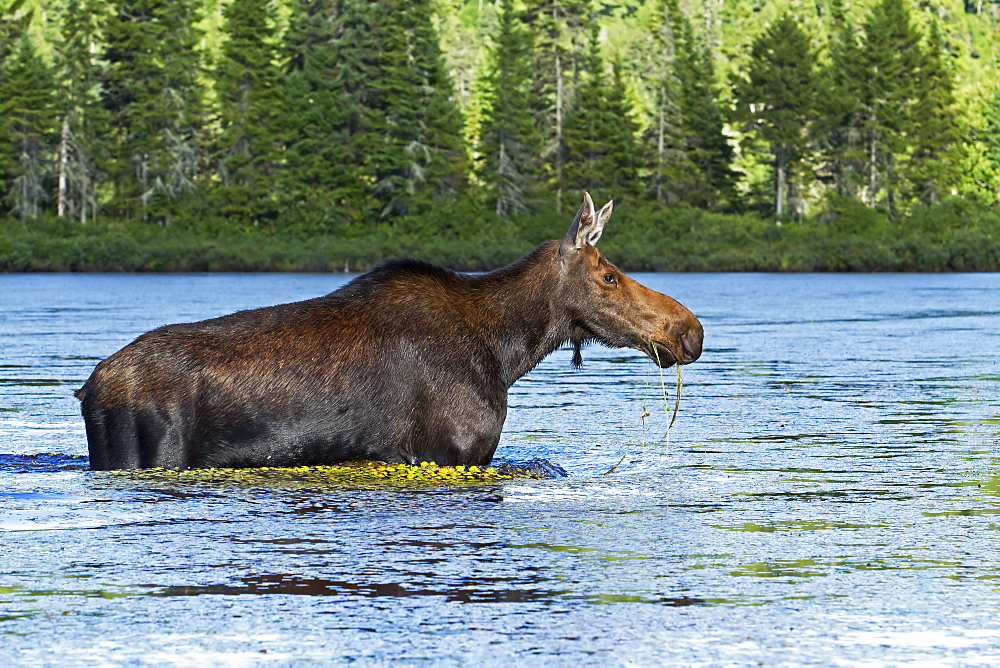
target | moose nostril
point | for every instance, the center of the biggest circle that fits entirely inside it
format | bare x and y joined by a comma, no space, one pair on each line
691,341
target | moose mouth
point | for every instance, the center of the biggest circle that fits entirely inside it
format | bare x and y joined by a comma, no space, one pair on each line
666,355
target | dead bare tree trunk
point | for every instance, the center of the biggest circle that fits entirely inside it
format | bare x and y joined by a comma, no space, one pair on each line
61,205
660,144
559,131
872,173
780,168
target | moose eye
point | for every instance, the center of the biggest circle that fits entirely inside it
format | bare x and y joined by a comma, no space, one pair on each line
609,278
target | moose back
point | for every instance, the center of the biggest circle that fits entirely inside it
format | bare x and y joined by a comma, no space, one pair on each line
407,363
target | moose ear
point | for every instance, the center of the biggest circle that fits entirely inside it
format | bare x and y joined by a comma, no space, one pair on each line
587,226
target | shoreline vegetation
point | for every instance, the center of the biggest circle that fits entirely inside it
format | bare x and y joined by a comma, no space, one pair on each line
952,236
327,135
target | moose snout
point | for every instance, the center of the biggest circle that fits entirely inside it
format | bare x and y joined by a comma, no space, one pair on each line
684,338
691,341
679,343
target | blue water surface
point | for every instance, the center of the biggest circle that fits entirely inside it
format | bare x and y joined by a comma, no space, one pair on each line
829,495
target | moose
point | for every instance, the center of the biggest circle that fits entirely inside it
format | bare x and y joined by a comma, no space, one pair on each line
408,362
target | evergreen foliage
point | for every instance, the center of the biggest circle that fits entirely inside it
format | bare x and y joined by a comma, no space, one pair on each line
420,157
329,52
29,110
373,129
776,101
600,133
669,168
889,70
558,31
152,92
508,146
986,173
706,146
297,118
937,133
247,150
85,121
838,132
14,21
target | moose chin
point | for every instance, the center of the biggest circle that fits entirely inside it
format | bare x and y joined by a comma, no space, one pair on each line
407,363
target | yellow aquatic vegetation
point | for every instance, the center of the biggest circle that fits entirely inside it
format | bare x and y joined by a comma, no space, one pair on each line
366,474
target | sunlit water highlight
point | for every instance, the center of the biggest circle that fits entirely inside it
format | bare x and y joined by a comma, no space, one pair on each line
830,495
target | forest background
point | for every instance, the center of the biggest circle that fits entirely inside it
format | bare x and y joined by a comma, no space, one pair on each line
176,135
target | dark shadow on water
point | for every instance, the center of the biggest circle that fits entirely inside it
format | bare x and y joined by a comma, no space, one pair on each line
482,590
830,496
42,462
479,590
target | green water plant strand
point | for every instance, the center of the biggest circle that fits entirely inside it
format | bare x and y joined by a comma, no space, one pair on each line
663,387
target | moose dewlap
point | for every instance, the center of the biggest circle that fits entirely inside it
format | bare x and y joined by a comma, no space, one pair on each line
407,363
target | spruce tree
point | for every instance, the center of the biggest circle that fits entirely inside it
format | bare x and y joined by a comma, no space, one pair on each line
247,150
838,128
29,114
702,119
152,92
373,124
776,100
84,123
600,133
888,123
14,20
330,56
422,157
891,67
669,169
987,173
935,165
558,31
508,143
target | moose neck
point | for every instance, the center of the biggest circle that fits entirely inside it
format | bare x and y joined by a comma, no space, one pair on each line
519,311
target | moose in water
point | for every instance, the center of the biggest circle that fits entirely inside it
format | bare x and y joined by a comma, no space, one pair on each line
406,363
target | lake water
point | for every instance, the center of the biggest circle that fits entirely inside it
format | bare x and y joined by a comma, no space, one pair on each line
829,494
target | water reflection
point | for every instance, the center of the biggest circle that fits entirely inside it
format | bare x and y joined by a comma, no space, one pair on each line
469,590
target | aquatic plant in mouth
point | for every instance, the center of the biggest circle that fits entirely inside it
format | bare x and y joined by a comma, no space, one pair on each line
365,474
663,386
666,408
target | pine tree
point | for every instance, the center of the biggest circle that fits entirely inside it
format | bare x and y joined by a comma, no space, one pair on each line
84,124
776,99
508,144
669,167
937,133
331,56
600,133
373,123
702,120
558,31
29,111
891,65
152,93
247,149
